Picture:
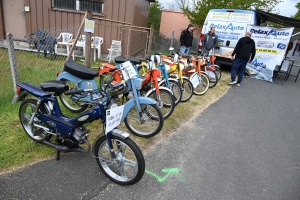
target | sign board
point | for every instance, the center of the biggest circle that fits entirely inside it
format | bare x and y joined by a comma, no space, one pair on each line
113,118
89,26
127,70
271,44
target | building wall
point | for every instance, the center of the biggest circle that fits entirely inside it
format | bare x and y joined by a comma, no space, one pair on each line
175,21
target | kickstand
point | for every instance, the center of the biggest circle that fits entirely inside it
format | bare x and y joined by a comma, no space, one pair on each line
57,154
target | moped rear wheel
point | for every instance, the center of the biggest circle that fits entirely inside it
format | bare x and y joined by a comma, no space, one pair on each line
213,78
166,102
146,124
26,110
129,165
71,102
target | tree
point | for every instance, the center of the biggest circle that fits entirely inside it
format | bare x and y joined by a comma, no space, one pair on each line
297,15
198,14
155,15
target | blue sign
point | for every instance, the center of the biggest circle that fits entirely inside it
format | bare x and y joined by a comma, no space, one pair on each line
257,64
271,32
225,27
281,46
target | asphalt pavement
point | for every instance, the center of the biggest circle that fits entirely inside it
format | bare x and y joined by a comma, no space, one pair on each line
244,146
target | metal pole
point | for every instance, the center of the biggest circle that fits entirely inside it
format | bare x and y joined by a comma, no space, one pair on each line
88,44
13,64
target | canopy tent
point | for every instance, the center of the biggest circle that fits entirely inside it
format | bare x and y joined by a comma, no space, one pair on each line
265,16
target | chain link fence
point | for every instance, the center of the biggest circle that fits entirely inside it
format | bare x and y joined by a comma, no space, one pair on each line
162,41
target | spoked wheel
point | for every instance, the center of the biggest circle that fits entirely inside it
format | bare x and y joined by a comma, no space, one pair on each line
203,85
187,90
213,78
26,110
103,79
218,71
166,102
146,124
72,102
129,165
176,89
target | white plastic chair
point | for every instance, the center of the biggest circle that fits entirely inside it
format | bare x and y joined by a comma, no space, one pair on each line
96,44
63,39
114,50
80,43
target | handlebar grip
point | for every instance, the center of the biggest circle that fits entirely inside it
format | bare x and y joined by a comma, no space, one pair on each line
73,92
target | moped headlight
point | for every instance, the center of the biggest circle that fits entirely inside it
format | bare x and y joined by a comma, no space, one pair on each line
138,82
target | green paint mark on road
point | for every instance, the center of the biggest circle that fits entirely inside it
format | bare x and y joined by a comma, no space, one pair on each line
169,171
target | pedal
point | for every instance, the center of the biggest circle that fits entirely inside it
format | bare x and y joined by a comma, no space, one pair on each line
38,132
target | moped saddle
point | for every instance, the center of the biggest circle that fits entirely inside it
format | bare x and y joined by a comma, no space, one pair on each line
135,61
79,70
55,86
120,59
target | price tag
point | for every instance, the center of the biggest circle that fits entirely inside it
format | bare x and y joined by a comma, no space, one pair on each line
127,70
195,81
113,118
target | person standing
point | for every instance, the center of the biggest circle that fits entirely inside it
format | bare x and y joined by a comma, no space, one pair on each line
243,51
186,39
210,40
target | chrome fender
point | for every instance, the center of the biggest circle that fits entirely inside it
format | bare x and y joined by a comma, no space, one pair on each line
170,79
129,104
160,87
82,83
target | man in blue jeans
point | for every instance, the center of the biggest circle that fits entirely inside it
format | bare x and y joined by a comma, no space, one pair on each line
186,39
244,49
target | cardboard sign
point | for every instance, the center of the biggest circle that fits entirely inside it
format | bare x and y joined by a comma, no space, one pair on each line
89,26
127,70
195,81
113,118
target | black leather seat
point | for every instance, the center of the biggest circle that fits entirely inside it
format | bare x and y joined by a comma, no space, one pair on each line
120,59
135,61
79,70
55,86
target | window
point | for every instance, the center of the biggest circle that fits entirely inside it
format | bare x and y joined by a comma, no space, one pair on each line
95,6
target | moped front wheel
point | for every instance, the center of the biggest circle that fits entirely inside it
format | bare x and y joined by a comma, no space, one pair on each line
26,111
147,123
187,90
166,102
203,85
72,102
129,165
176,90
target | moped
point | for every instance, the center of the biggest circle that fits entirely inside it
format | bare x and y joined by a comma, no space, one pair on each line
41,117
141,115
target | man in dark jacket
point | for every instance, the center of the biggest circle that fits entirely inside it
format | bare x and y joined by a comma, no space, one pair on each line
244,49
210,40
186,39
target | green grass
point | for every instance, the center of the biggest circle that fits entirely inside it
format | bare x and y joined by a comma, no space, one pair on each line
17,149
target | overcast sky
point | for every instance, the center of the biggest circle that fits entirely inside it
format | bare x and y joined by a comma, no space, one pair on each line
286,8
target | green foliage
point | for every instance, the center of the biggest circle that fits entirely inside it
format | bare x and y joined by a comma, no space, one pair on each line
297,15
155,15
198,14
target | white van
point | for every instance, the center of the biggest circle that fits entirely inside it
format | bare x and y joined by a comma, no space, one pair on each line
230,26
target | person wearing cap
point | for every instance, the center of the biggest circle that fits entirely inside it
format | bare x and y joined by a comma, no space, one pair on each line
186,39
210,40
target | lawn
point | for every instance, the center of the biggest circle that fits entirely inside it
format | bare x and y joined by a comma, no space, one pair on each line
17,150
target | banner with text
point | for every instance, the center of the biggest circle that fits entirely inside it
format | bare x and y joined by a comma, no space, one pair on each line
271,45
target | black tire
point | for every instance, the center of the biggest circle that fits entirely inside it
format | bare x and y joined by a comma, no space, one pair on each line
203,85
176,89
131,155
167,103
151,118
187,90
103,78
70,101
213,78
26,110
218,71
